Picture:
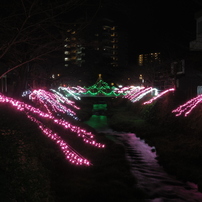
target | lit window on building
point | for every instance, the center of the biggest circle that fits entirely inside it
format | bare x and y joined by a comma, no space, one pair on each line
67,46
73,57
140,60
66,52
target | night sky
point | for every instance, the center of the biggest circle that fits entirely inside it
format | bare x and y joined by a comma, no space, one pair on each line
157,26
152,25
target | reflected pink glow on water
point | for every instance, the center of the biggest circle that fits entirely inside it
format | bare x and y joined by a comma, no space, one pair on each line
151,177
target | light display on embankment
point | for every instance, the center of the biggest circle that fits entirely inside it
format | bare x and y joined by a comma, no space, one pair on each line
55,104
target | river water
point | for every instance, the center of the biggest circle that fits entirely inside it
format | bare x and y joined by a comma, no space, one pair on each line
151,177
160,186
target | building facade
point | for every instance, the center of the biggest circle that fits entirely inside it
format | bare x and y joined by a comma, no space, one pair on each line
101,49
74,51
196,45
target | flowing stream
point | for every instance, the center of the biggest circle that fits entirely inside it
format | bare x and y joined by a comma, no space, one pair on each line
151,177
160,186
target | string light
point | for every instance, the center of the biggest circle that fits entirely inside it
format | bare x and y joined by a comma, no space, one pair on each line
101,88
69,92
133,91
187,107
71,155
138,93
158,96
32,113
53,103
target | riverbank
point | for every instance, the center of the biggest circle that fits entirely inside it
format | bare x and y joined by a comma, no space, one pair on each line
34,169
177,140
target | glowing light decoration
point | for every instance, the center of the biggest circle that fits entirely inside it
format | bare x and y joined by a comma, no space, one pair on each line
25,93
70,92
101,88
127,89
158,96
133,91
53,103
137,94
34,113
70,154
79,89
63,99
188,106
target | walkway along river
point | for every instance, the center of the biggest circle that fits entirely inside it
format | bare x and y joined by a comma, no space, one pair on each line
151,177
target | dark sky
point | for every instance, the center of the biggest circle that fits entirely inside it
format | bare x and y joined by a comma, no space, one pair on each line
157,25
152,25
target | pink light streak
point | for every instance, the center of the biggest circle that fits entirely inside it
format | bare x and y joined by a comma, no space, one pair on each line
87,137
122,90
135,91
188,106
73,91
71,155
53,102
138,93
158,96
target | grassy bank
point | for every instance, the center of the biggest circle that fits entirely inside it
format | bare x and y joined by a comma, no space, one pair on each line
177,140
34,169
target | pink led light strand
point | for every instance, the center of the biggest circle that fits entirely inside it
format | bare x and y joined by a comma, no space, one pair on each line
158,96
122,90
52,102
188,106
87,136
70,92
71,155
64,100
78,89
139,95
134,92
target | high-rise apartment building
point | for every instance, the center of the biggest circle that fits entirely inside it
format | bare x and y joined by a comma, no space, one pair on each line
109,43
74,49
101,49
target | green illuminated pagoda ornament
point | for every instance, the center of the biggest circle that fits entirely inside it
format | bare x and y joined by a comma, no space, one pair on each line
101,88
